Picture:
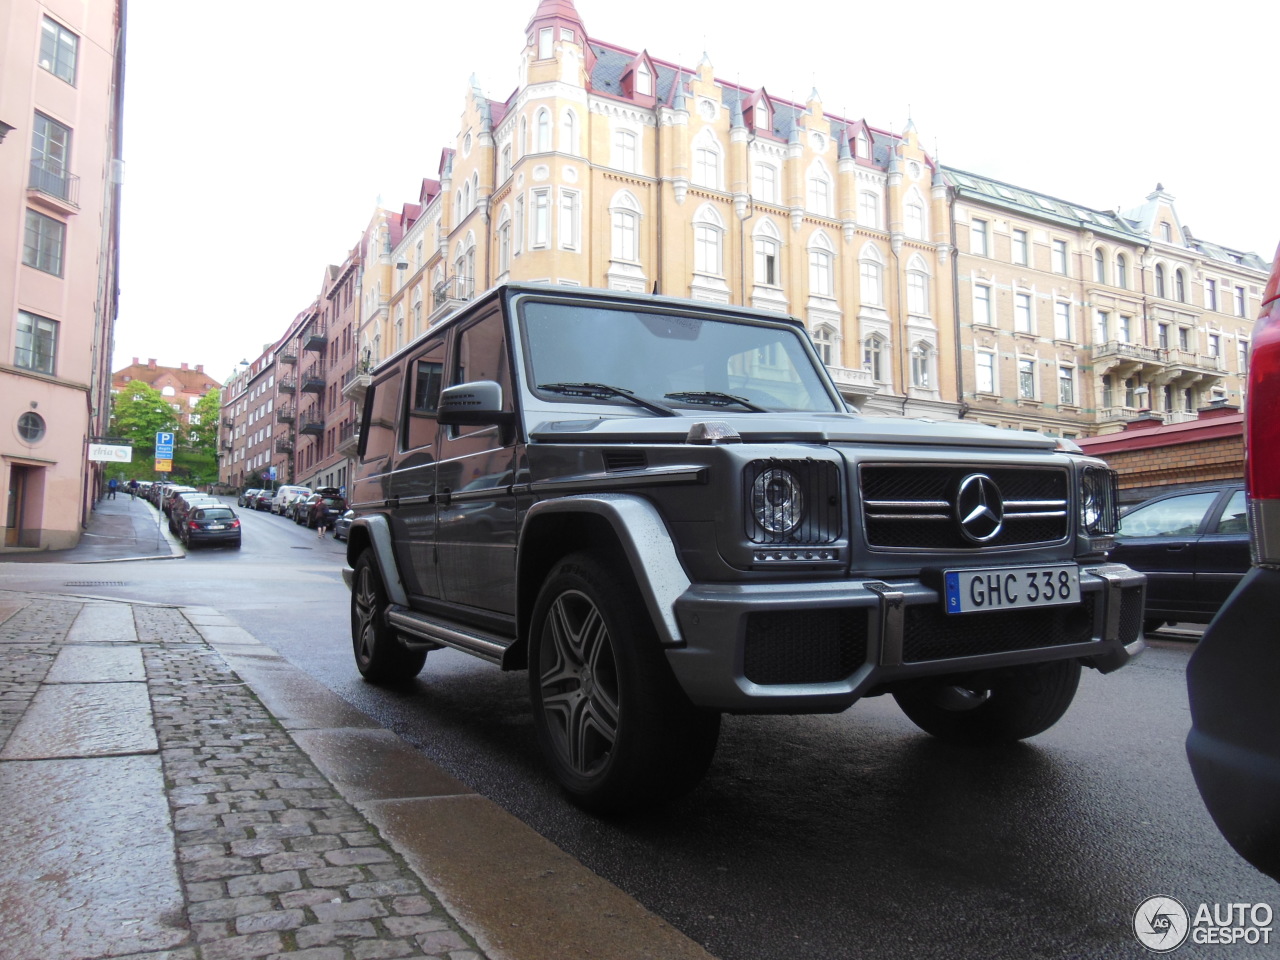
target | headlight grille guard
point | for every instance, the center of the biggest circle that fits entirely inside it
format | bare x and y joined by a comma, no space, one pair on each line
1099,501
812,515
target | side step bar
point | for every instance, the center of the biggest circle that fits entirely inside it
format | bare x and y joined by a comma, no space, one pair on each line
420,630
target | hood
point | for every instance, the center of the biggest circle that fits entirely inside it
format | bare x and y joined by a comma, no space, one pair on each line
824,428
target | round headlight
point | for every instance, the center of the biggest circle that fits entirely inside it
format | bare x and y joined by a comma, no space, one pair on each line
776,501
1092,500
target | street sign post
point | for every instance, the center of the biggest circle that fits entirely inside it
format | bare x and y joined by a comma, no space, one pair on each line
164,452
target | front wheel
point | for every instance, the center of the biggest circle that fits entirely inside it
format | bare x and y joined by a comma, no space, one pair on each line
380,657
610,718
997,708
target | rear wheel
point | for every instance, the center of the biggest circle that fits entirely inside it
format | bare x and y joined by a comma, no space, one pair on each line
997,708
380,657
610,718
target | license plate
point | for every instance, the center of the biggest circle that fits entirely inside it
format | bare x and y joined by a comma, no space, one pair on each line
982,589
216,526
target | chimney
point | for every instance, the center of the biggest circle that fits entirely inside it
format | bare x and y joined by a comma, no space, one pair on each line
1218,408
151,363
184,366
199,368
135,361
1145,421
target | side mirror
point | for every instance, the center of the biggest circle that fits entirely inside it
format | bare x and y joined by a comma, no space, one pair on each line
473,404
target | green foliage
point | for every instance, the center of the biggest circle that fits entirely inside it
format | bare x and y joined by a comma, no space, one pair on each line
202,433
138,413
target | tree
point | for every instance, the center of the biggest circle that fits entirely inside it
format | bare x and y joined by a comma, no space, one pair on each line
202,432
138,413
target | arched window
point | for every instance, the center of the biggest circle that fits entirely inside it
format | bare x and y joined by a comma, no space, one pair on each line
706,162
417,310
824,338
1160,280
870,271
920,373
762,116
1122,271
542,131
523,146
821,270
917,291
1099,266
168,391
624,214
504,240
819,190
875,358
569,132
644,81
1180,286
768,254
708,241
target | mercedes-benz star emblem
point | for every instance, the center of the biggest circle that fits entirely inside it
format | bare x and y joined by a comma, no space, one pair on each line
979,508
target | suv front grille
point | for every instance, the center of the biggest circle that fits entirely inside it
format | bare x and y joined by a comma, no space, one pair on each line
913,506
804,646
931,634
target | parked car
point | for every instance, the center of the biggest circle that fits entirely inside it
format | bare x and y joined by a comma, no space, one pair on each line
1234,675
246,498
323,508
1193,545
262,500
285,495
182,505
342,525
166,503
703,527
210,525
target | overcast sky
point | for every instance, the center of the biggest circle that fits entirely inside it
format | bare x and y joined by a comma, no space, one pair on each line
261,134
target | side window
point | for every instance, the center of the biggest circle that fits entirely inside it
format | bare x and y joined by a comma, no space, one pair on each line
1235,517
481,354
378,426
427,372
1173,517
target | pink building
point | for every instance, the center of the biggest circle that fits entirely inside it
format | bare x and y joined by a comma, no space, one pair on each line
61,86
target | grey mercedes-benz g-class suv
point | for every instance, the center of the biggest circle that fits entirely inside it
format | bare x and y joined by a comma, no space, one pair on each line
663,510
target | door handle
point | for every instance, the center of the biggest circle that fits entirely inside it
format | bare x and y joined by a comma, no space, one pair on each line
445,496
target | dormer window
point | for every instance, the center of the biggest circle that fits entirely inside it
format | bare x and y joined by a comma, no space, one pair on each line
566,35
544,42
644,81
862,146
762,116
1166,232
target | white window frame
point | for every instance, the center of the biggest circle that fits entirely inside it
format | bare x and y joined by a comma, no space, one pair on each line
570,226
540,218
1023,315
764,182
983,308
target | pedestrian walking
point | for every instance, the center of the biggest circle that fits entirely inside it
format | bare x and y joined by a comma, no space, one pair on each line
111,488
133,489
322,524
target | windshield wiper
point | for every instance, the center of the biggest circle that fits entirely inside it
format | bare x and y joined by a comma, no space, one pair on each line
599,391
714,397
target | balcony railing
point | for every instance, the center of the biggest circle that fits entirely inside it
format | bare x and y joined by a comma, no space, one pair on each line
286,385
287,356
311,424
452,290
284,445
284,414
313,381
1132,351
348,438
315,339
52,180
228,421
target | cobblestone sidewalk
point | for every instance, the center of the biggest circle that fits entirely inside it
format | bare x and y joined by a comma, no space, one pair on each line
272,861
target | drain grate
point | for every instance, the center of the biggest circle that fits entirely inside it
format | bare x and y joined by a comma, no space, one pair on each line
94,583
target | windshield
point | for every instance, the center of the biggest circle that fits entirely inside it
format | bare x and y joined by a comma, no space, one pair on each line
680,361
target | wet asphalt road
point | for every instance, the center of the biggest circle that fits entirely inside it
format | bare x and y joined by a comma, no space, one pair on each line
843,836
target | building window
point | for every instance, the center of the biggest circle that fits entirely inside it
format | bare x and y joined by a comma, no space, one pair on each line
1122,271
1108,390
517,233
625,232
1166,231
545,37
823,341
1240,302
1020,247
767,273
873,355
43,244
31,427
1061,321
624,150
917,293
644,81
920,366
1099,266
820,278
761,118
915,221
765,182
1101,326
1184,338
50,152
1026,378
1067,385
504,244
982,304
706,249
1162,336
37,343
1242,355
1060,257
1130,392
978,237
862,146
569,132
570,219
986,371
870,276
869,209
1160,281
1211,294
540,228
58,50
706,167
1215,345
1180,286
542,131
1022,312
820,194
1126,329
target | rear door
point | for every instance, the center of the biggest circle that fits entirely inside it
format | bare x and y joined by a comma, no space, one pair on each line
1222,556
1160,539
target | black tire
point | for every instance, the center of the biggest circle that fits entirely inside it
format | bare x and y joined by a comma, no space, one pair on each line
380,657
999,708
613,724
1151,625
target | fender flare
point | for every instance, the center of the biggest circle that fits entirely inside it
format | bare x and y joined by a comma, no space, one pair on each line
646,543
378,529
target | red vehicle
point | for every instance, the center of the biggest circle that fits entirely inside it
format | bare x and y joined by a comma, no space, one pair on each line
1234,675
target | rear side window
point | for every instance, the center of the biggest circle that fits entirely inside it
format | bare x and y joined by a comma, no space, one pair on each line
427,370
1172,517
378,428
1235,517
214,513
